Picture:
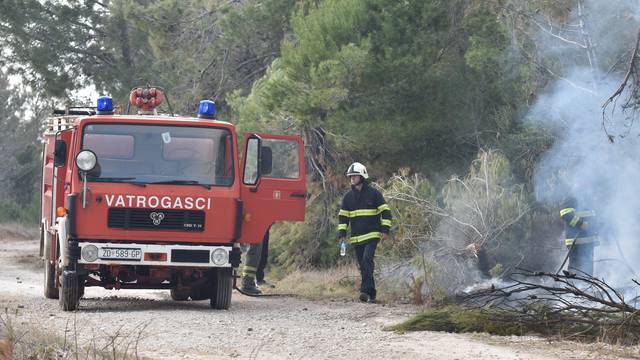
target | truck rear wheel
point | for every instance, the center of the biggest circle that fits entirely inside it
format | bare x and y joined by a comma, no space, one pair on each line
50,280
50,288
179,294
69,291
222,289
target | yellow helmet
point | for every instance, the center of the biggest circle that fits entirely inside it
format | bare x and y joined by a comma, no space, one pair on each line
357,169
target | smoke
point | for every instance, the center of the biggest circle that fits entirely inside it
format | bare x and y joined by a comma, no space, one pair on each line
583,163
600,174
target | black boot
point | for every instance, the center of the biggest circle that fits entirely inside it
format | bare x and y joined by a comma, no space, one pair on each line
364,297
249,286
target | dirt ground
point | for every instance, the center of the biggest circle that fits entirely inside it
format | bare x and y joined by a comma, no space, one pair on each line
254,328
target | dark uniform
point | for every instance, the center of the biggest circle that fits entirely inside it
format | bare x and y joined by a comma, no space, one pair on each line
254,264
251,263
264,257
580,236
369,216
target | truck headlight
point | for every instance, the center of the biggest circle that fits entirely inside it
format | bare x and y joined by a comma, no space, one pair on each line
89,253
219,256
86,160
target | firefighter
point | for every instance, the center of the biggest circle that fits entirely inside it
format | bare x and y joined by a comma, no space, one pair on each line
365,210
580,236
264,257
251,263
254,265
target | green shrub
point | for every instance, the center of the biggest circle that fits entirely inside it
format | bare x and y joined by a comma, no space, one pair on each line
13,211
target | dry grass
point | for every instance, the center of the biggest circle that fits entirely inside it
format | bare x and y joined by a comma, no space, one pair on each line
339,283
20,340
18,231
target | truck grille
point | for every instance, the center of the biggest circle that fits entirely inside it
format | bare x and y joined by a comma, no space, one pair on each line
190,256
154,219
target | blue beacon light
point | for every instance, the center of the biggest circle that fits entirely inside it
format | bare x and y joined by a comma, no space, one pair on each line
105,105
207,109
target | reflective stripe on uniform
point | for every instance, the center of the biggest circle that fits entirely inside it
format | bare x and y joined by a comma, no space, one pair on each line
368,236
565,211
385,222
362,212
574,220
578,215
249,270
342,226
588,213
383,207
581,240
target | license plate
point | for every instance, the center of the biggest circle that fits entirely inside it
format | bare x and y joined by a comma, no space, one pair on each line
192,226
120,254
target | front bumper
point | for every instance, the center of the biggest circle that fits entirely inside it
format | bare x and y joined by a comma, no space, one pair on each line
176,255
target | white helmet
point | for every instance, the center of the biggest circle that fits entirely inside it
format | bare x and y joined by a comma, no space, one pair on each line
357,169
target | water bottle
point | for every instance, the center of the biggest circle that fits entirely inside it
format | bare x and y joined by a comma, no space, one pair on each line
343,248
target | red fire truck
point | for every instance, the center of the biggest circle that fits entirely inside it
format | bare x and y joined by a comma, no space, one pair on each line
152,201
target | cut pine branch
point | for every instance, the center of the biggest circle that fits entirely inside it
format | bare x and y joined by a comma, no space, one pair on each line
568,304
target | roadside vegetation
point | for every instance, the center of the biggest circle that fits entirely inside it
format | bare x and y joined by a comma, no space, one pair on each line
337,283
19,340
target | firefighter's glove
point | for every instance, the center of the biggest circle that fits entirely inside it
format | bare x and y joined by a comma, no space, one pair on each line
473,248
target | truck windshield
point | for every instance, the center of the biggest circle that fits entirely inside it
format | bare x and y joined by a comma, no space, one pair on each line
160,154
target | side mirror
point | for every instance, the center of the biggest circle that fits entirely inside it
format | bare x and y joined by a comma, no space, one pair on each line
252,161
266,160
60,153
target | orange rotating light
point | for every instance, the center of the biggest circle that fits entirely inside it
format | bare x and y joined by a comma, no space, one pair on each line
146,98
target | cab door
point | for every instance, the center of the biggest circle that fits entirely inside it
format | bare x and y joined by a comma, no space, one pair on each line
273,184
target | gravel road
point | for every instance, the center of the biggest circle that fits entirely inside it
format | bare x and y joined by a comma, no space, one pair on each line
254,328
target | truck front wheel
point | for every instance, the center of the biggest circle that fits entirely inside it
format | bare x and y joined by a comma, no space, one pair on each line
69,290
50,288
50,283
222,288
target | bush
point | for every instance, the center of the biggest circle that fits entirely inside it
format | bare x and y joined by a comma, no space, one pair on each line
13,211
308,244
431,256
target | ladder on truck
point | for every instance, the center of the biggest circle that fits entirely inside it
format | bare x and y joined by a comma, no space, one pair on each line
64,119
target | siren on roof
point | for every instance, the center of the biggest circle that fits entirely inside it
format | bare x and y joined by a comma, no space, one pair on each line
105,105
146,99
207,109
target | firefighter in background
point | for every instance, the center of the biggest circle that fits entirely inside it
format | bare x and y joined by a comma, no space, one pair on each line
580,235
255,261
365,210
262,265
251,262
